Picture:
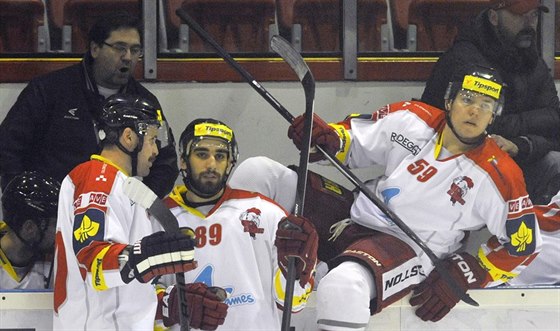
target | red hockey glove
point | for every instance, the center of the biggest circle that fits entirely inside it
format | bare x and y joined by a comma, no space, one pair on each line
322,134
206,308
158,254
296,236
434,294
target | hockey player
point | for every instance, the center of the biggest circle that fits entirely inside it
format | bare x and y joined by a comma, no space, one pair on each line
107,250
236,245
443,177
29,205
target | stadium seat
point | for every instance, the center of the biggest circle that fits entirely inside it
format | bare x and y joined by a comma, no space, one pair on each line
176,32
372,14
436,21
72,19
20,24
316,25
238,26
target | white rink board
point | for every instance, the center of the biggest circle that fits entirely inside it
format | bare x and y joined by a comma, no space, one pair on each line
500,309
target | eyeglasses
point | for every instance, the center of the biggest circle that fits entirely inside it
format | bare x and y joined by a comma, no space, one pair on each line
135,51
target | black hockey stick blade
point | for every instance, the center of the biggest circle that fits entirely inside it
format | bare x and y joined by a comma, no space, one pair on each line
141,194
335,162
296,62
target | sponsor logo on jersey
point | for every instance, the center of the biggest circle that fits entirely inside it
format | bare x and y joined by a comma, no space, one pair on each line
459,189
88,226
519,205
405,142
206,276
98,198
251,219
521,234
403,276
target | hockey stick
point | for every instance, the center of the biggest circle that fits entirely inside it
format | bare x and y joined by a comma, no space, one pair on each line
438,264
294,59
141,194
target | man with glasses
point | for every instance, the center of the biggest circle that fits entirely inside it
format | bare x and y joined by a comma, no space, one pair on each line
53,126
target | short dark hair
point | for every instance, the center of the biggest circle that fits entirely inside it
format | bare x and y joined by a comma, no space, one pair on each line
103,27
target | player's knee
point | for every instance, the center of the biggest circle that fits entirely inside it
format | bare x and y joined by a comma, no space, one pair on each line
346,292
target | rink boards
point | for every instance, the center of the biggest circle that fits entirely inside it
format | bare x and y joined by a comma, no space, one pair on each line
500,309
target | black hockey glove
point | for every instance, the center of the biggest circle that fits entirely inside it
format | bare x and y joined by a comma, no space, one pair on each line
160,253
206,309
296,237
322,134
434,295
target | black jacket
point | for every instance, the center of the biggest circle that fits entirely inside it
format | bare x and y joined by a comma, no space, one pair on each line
531,116
51,128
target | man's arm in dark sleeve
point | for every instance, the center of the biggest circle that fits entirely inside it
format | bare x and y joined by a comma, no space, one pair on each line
19,130
436,86
537,128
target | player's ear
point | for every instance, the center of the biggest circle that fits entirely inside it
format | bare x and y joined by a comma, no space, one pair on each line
129,139
182,164
28,230
492,17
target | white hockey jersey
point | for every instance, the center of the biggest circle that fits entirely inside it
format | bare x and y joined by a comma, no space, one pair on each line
235,250
545,268
95,222
441,199
13,277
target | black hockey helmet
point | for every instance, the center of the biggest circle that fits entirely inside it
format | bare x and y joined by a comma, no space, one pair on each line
129,111
30,196
206,128
478,79
122,111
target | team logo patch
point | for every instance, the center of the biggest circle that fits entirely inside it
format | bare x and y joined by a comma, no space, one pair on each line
521,234
459,189
251,219
88,226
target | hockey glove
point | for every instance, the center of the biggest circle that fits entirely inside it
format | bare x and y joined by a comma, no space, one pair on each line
206,309
322,134
296,236
435,296
159,254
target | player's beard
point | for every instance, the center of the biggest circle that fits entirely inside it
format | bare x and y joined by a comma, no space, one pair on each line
207,187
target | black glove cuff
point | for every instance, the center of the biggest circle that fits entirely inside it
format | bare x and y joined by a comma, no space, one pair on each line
127,272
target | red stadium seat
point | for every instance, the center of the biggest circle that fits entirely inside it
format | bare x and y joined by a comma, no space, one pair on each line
238,26
318,23
436,21
72,19
20,21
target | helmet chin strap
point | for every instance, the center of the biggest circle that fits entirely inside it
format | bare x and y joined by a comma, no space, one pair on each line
467,141
133,155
